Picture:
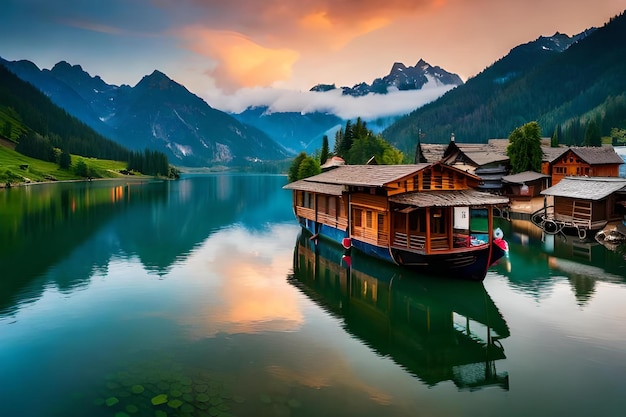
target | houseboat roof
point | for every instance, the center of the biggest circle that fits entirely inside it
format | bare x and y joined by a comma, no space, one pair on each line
524,177
316,187
449,198
363,175
587,188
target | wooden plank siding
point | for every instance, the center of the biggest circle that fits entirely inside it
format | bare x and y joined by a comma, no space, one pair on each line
329,210
370,218
437,177
580,212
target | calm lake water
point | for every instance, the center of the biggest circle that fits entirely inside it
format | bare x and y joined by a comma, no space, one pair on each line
200,298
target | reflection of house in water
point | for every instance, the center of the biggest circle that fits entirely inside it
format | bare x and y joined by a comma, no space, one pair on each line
436,331
537,258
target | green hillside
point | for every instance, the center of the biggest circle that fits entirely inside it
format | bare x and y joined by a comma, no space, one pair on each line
562,91
17,168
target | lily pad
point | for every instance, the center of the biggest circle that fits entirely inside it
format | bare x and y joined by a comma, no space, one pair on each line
111,401
98,401
174,403
216,401
137,389
202,397
160,413
175,393
265,399
159,399
121,414
131,408
239,399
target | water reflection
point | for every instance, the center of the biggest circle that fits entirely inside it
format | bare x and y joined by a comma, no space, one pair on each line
438,330
66,233
541,257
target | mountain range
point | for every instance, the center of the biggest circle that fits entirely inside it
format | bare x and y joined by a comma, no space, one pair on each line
157,113
401,78
553,80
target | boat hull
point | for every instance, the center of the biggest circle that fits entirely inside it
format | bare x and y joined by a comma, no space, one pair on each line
469,264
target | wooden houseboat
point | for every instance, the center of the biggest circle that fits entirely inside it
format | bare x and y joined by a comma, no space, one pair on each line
424,216
580,205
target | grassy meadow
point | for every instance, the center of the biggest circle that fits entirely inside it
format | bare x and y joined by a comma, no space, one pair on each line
16,168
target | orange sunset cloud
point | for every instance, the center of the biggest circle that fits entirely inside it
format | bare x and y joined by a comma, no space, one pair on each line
240,61
265,50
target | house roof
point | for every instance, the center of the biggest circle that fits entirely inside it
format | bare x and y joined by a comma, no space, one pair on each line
523,177
333,162
550,153
597,155
587,188
365,175
479,153
433,152
448,198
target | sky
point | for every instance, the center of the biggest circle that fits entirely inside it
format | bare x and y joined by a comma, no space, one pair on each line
236,53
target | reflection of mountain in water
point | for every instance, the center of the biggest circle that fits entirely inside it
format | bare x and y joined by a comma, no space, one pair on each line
437,329
69,231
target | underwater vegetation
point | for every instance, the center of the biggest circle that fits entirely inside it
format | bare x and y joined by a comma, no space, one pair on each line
155,390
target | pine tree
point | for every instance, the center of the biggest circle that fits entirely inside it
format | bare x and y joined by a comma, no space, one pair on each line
65,160
592,134
554,140
325,153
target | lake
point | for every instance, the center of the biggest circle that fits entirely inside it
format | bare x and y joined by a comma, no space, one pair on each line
199,297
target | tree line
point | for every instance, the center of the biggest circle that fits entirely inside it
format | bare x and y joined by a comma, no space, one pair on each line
355,144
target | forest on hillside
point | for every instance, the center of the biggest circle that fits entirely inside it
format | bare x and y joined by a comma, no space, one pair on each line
562,91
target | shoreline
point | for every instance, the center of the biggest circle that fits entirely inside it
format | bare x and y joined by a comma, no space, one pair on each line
126,178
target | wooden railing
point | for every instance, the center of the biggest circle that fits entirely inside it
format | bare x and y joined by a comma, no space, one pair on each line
330,220
418,242
412,241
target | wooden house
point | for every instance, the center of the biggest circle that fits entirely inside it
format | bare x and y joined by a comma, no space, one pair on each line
488,161
524,185
589,161
582,204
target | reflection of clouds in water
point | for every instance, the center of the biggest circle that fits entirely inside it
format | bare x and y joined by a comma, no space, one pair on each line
242,285
330,371
242,288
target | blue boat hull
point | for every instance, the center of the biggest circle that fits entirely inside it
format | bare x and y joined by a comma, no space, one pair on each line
472,265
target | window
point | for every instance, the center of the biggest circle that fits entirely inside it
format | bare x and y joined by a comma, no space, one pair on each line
332,206
307,200
357,217
368,219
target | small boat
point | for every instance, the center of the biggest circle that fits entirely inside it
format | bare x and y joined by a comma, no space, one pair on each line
613,238
427,217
